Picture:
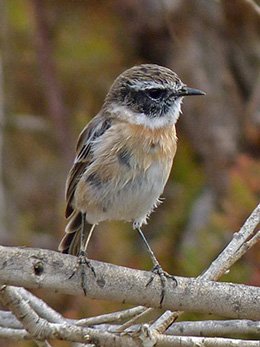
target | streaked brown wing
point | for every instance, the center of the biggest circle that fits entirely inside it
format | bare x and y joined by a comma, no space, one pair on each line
94,129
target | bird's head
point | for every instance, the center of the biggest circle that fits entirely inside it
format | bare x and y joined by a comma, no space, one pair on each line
148,94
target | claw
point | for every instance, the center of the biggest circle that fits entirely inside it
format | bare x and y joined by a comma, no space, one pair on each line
83,260
157,270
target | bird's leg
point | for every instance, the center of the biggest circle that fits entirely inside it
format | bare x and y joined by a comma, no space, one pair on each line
82,257
157,269
84,244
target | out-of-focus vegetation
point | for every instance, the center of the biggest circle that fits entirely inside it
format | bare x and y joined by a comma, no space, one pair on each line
58,59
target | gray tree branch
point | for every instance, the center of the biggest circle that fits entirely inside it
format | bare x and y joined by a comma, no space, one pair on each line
241,242
37,268
42,268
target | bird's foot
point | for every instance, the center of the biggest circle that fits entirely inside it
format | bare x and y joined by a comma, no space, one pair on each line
157,270
83,260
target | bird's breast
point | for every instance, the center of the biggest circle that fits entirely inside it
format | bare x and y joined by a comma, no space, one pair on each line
130,169
128,146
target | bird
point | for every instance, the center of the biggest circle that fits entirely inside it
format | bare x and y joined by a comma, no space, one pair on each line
124,157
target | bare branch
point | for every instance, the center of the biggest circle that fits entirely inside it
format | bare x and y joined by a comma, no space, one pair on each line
229,255
233,252
112,317
246,246
41,330
40,307
254,6
133,320
24,313
35,268
188,341
8,320
14,334
215,328
43,268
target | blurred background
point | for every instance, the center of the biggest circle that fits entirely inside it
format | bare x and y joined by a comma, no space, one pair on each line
57,62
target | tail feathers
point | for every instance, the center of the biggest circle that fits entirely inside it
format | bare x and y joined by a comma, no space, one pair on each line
71,241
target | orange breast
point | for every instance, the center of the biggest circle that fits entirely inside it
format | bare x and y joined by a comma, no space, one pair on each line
144,146
160,142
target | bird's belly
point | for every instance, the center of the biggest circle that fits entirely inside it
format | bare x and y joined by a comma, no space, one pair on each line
138,197
130,198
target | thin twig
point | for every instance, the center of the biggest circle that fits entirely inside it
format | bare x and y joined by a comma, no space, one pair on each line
133,320
246,246
112,317
234,251
227,257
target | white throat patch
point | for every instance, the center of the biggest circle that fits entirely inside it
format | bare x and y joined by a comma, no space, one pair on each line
170,118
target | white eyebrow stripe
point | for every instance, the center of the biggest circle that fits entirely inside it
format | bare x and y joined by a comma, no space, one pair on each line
141,85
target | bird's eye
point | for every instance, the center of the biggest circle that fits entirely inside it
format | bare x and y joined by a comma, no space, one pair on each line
155,93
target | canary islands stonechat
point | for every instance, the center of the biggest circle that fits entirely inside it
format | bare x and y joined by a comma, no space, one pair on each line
124,156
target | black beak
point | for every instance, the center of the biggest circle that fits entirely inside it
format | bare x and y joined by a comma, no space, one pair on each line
186,91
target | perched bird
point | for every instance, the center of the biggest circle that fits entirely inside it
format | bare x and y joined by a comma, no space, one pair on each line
124,156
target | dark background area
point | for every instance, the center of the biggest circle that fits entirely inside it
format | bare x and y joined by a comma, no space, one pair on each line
57,62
